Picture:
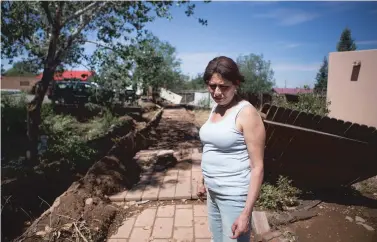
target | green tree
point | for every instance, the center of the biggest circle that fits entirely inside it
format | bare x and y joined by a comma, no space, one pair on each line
53,35
156,64
258,74
346,43
21,68
196,83
321,79
188,83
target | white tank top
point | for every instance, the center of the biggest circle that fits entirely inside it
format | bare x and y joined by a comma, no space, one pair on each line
225,161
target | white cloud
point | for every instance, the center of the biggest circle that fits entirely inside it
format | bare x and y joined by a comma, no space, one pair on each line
295,67
366,42
288,16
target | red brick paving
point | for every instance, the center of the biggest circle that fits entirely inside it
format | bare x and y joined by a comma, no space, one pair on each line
178,223
179,182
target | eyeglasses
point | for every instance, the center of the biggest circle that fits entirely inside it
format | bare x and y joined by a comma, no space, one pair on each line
222,88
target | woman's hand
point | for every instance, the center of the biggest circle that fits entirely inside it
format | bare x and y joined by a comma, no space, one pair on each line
201,190
240,226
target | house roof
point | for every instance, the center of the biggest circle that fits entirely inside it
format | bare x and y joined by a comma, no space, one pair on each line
83,75
293,91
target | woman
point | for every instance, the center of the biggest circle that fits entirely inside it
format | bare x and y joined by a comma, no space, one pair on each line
233,149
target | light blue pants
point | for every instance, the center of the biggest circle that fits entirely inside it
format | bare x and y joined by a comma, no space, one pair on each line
222,212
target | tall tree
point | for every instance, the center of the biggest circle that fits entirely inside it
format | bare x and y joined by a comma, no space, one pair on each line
53,34
156,64
321,79
258,74
346,43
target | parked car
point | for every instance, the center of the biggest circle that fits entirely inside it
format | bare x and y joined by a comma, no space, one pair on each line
72,92
75,91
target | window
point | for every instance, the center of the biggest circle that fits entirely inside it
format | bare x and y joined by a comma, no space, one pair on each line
24,83
355,71
62,86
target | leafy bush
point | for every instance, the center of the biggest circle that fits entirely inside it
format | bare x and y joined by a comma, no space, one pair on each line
47,110
278,196
307,102
64,142
107,120
102,96
62,136
13,127
13,114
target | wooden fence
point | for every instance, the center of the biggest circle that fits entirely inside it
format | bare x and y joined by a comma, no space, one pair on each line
316,151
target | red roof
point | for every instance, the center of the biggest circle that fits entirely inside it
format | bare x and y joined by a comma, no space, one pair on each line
293,91
83,75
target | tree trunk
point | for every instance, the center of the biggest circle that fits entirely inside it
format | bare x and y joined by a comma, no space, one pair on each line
34,107
34,114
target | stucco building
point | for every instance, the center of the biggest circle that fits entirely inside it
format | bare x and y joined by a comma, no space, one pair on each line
352,86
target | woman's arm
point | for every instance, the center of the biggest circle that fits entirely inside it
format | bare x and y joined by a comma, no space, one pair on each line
251,124
254,132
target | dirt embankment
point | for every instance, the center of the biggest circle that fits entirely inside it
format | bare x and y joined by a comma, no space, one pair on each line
31,194
84,210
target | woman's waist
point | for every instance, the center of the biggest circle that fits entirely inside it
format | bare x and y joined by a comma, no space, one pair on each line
228,172
213,153
225,162
228,185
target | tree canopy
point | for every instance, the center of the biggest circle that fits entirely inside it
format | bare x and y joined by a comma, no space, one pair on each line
195,83
346,43
258,74
156,63
321,78
21,68
56,31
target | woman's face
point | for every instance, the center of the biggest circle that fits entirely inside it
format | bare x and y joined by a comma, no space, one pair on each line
222,91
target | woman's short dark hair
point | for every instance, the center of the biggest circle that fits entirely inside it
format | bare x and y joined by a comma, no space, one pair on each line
225,67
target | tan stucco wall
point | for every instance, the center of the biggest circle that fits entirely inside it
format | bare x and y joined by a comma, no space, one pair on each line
354,101
14,82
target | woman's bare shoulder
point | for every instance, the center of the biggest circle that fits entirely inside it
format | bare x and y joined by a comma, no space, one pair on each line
249,113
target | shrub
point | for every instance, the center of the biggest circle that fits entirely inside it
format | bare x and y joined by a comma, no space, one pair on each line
307,102
13,126
64,141
62,137
102,96
278,196
13,114
47,110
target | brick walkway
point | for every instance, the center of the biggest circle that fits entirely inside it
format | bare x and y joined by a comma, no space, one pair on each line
170,223
173,223
179,182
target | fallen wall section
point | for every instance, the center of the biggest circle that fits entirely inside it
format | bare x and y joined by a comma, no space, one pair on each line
170,96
